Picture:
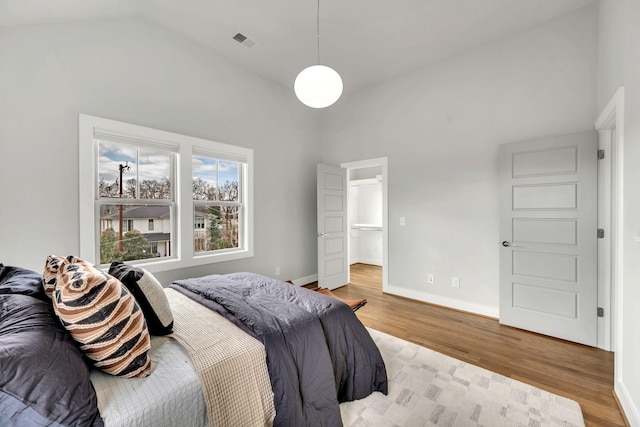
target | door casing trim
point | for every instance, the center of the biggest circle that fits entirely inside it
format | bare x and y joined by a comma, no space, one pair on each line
612,116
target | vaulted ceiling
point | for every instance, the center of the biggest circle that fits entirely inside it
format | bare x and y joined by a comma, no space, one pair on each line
366,41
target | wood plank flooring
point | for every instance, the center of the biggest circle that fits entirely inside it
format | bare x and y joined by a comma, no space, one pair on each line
581,373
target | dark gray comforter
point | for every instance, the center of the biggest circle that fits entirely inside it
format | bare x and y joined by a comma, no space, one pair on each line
44,380
318,352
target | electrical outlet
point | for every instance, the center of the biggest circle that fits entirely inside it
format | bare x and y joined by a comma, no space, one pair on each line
455,282
431,279
277,271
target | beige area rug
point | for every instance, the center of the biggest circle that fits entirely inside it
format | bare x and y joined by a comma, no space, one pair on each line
427,388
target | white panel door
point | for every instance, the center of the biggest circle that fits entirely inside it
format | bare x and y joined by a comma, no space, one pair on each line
333,261
548,229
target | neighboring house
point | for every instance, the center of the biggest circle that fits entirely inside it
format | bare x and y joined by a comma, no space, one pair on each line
200,226
154,223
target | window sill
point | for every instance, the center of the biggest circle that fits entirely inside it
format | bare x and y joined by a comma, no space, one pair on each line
167,264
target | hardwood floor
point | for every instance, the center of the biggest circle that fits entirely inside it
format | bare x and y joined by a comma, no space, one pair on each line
581,373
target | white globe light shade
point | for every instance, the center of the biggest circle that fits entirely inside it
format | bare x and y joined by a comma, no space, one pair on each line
318,86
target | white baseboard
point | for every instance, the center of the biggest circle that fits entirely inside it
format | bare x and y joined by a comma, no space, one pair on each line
628,405
305,280
483,310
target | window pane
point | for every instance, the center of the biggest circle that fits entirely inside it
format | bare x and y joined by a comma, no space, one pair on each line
138,241
205,178
130,163
228,177
114,160
154,172
220,228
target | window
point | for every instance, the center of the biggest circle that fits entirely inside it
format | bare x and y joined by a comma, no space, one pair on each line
127,225
105,224
132,193
217,203
133,183
153,249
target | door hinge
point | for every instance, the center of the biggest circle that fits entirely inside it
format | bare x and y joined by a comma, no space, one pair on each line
601,154
600,233
600,312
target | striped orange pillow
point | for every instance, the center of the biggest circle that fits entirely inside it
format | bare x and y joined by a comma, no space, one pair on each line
103,317
50,275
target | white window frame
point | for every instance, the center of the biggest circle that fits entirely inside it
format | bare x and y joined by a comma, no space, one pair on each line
185,146
222,203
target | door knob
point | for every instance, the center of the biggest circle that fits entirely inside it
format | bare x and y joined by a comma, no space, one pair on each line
506,244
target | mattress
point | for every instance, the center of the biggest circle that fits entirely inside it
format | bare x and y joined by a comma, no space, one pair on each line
208,371
170,396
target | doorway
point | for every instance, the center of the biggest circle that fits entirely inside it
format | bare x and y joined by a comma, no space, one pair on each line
367,207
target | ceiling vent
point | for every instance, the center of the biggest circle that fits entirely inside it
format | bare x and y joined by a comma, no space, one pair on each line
242,39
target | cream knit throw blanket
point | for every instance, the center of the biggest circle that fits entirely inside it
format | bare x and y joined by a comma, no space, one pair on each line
230,363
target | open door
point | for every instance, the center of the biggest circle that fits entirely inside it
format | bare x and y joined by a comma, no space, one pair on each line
333,261
548,229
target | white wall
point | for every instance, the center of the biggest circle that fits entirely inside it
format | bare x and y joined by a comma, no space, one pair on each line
440,128
365,207
619,65
136,72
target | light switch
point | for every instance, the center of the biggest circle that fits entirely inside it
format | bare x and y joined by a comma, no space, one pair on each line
403,221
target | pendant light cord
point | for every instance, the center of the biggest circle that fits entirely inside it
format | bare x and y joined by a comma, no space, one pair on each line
318,30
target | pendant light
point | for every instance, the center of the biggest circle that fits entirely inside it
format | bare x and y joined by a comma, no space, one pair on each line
318,86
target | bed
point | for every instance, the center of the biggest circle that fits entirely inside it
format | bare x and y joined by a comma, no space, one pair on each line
244,350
